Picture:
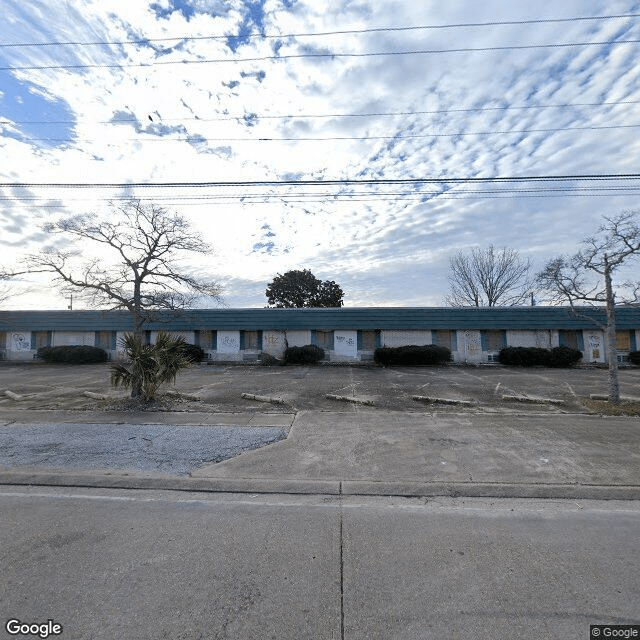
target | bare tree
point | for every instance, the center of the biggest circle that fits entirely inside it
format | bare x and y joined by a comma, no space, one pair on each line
146,241
489,278
587,277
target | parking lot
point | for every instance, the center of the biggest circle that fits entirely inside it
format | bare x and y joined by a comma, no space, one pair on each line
211,388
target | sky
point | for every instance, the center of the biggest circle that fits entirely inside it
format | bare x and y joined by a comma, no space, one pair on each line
290,91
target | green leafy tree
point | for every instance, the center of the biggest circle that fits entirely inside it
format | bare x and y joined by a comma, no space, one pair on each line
148,366
303,289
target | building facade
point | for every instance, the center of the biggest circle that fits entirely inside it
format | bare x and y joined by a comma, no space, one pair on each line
474,335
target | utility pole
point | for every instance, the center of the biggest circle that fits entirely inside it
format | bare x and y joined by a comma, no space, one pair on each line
70,307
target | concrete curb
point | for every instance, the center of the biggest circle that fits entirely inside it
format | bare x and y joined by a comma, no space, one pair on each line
354,399
121,480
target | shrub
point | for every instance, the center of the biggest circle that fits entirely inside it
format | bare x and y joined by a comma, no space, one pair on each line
267,360
309,354
532,356
193,352
634,357
564,357
412,355
73,354
524,356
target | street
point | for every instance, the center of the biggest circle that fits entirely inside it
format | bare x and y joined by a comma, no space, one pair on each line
107,563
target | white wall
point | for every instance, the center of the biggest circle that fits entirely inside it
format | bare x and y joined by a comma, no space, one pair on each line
469,347
298,338
345,343
273,342
541,338
70,338
393,338
594,346
228,341
189,336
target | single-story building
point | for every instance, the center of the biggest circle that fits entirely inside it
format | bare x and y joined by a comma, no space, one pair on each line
474,335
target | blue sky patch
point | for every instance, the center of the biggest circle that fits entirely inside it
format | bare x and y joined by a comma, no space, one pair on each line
253,22
182,6
38,116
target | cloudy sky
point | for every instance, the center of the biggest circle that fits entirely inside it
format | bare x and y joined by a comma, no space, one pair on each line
291,91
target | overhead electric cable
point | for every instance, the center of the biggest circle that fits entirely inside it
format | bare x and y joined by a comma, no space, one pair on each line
128,65
265,36
332,182
257,117
196,138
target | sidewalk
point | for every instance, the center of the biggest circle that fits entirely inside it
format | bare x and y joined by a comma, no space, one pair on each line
375,452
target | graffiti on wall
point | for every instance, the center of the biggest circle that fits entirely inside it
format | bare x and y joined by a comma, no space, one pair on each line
231,342
20,342
594,344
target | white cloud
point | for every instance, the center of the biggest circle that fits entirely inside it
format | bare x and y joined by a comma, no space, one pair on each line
195,122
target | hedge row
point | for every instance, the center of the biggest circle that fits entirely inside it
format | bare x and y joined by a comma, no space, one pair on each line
73,354
634,357
412,355
309,354
531,356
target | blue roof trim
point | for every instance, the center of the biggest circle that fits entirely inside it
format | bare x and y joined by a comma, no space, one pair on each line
407,318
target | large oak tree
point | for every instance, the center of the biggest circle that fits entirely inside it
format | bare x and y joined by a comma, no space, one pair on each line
303,289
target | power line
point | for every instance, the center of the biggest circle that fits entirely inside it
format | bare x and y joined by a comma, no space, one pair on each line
265,36
404,136
332,182
127,65
258,117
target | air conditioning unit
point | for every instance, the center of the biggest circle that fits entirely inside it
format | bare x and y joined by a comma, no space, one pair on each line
623,357
493,357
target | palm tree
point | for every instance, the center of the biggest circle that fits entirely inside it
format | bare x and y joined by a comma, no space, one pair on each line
149,365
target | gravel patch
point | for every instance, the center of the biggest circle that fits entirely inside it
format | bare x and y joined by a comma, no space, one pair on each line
158,448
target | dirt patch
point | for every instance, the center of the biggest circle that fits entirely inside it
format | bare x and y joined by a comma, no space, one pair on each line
606,408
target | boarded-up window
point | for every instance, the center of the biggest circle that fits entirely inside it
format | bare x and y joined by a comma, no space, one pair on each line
571,339
206,339
444,338
493,339
251,340
368,340
41,339
106,340
322,339
623,340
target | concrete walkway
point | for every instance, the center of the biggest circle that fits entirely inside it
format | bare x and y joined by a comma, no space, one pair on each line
374,452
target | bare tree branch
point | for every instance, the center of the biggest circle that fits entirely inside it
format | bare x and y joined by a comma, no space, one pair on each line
489,278
147,241
572,280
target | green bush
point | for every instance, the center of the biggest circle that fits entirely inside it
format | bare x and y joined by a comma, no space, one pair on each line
524,356
193,352
537,356
309,354
267,360
73,354
412,355
562,357
634,357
